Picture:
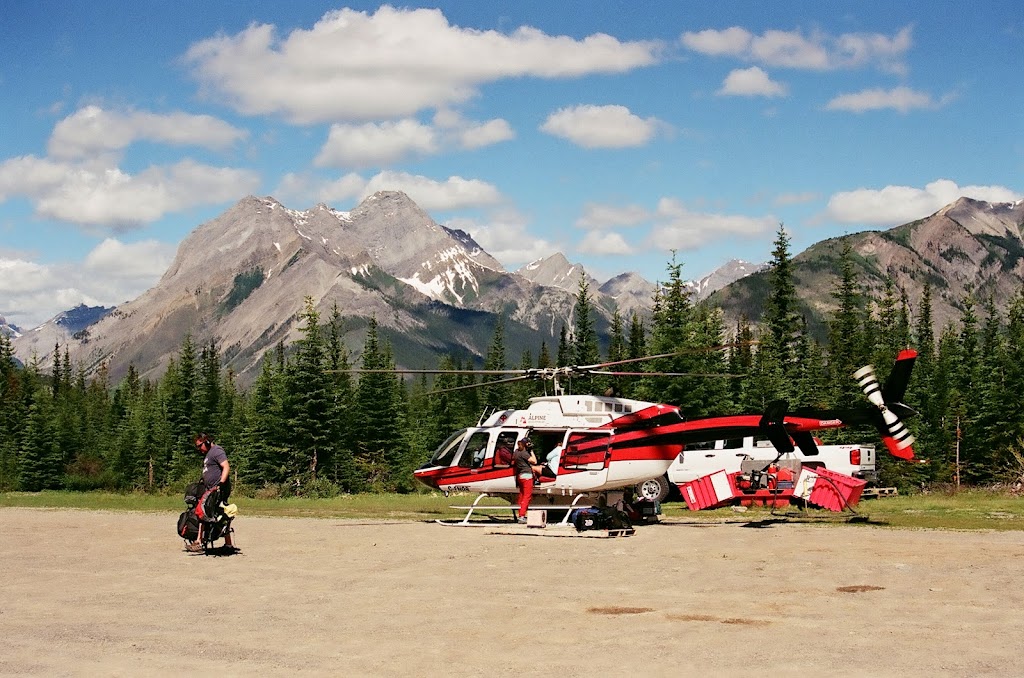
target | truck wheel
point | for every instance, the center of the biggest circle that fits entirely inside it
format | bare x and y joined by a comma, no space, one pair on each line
655,489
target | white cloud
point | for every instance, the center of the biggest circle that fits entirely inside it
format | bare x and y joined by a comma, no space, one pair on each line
680,228
116,260
385,143
112,273
734,41
599,216
453,193
97,195
895,205
92,131
505,237
902,99
358,66
376,144
604,242
307,189
478,135
816,51
751,82
601,126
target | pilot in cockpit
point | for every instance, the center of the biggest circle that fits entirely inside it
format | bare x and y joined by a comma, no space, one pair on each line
503,449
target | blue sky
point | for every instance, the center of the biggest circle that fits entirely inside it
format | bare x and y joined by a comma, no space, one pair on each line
611,131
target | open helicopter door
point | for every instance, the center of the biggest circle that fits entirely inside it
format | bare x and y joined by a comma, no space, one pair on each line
585,458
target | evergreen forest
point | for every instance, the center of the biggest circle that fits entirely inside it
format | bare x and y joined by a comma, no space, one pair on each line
309,425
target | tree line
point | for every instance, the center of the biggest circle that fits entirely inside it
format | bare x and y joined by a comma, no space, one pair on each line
315,424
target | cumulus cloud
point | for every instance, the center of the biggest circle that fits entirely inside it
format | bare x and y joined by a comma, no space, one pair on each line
599,216
680,228
895,205
453,193
469,134
98,195
601,126
94,131
750,82
357,66
487,133
902,99
112,273
504,235
670,225
385,143
605,242
376,144
815,51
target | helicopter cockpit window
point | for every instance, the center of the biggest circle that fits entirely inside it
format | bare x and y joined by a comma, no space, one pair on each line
445,452
733,443
503,449
476,450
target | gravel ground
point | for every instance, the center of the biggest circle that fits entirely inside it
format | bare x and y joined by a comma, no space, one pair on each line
104,593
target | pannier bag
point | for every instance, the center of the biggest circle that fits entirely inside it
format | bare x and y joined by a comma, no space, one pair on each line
188,525
193,493
208,508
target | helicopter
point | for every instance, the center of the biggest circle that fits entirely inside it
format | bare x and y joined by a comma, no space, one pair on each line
590,445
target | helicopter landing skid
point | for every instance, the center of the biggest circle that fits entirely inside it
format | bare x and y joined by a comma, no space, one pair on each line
490,510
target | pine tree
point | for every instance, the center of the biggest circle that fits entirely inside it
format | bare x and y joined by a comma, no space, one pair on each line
674,329
375,399
39,467
309,404
781,317
340,466
637,337
497,395
844,333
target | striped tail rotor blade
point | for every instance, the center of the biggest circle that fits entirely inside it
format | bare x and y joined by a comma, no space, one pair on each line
896,435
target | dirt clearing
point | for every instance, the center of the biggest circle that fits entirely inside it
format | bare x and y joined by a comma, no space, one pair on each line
98,593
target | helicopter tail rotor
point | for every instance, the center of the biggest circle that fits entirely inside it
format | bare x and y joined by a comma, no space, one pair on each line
895,434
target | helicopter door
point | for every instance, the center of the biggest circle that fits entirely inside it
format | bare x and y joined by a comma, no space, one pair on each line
587,451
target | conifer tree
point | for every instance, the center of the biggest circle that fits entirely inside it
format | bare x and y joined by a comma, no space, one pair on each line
637,337
309,403
39,467
341,469
497,395
375,400
844,333
781,317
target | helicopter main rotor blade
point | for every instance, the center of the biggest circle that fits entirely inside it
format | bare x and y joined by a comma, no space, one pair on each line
357,370
691,351
665,374
482,384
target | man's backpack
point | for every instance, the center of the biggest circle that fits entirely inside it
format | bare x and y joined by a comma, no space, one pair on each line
193,493
188,525
208,509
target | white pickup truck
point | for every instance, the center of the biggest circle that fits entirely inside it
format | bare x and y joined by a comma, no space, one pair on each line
703,458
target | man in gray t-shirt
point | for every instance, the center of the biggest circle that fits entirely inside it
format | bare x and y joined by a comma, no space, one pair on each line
216,470
215,464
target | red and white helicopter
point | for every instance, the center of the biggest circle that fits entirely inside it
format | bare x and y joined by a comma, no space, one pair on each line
590,445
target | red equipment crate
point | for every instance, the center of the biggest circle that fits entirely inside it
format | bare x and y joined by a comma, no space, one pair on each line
710,491
835,491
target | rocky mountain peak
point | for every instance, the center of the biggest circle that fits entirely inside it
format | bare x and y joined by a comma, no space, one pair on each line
555,271
985,218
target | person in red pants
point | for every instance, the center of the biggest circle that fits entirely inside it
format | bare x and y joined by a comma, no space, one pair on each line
525,464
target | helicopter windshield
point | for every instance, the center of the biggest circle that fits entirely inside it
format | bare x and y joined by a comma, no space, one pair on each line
445,452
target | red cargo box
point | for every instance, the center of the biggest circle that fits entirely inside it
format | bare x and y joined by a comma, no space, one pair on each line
711,491
835,491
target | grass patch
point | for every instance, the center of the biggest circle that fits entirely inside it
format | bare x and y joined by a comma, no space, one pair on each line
966,510
411,507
